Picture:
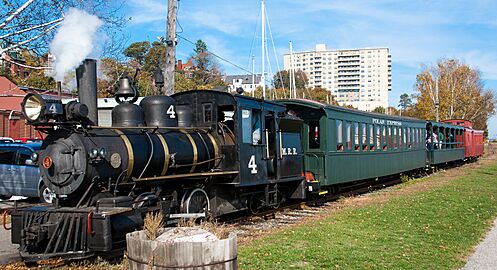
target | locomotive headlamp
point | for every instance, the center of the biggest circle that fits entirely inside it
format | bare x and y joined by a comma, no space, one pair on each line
32,106
39,110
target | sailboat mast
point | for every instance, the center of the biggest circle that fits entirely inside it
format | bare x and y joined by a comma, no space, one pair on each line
290,72
293,87
263,52
253,76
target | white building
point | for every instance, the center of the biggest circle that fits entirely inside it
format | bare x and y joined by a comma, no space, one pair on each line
357,77
243,81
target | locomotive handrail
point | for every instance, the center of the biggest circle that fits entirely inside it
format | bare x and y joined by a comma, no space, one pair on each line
168,177
5,213
88,223
267,143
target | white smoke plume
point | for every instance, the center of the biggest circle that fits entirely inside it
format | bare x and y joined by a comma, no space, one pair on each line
73,41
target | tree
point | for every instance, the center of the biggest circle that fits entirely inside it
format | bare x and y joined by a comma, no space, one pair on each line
37,78
183,82
206,73
137,51
111,70
379,110
461,93
29,24
282,79
405,102
392,111
154,55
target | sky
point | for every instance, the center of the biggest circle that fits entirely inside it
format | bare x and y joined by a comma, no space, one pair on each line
417,32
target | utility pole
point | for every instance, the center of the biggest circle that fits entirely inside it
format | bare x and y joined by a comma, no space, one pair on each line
170,63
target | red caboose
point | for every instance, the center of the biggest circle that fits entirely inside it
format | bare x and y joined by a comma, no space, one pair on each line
473,139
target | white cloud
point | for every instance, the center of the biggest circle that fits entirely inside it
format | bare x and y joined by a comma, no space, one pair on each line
147,11
486,62
214,21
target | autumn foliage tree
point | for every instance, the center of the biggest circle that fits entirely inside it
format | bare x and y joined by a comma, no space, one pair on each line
282,79
461,93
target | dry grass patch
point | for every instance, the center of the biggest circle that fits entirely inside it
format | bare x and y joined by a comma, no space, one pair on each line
152,223
220,230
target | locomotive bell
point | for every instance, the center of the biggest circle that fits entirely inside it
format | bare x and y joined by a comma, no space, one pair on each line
125,90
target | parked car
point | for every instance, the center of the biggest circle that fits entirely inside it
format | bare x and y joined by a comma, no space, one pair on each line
28,140
6,140
19,176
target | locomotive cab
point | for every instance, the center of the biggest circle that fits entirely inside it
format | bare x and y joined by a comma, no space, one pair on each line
258,140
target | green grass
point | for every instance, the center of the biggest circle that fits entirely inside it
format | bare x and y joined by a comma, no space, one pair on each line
431,229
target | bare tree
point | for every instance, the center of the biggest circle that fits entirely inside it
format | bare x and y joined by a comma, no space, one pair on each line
30,24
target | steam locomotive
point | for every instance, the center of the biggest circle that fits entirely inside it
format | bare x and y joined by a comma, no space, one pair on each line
200,153
190,155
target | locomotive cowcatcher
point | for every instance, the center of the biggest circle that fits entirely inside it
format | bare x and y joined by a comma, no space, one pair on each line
191,154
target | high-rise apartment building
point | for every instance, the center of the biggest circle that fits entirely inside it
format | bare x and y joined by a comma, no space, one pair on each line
357,77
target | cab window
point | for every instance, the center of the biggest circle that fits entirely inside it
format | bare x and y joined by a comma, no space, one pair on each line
247,126
251,126
207,110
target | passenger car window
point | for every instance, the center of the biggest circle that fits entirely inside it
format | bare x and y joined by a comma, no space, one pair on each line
356,136
339,125
348,129
7,156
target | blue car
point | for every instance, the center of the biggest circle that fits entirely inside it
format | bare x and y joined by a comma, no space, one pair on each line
19,175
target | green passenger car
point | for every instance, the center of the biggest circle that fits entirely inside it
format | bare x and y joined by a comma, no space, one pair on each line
342,145
444,142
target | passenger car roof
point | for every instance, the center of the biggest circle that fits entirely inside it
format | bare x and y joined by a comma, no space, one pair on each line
327,108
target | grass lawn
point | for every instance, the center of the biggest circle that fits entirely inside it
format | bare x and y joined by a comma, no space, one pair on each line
429,223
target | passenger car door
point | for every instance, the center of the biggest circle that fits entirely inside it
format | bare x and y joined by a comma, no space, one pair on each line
28,174
7,158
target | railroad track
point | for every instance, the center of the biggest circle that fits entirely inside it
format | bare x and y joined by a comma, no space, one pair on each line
247,226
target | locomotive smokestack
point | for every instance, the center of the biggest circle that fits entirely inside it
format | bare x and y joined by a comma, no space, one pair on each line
86,77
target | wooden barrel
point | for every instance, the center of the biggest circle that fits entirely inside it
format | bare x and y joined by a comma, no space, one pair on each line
146,254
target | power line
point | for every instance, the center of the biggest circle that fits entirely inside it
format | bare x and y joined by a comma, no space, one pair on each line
217,56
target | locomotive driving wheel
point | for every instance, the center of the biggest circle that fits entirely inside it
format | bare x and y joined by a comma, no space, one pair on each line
195,201
254,203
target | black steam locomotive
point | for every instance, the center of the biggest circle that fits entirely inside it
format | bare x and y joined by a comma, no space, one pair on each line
191,154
